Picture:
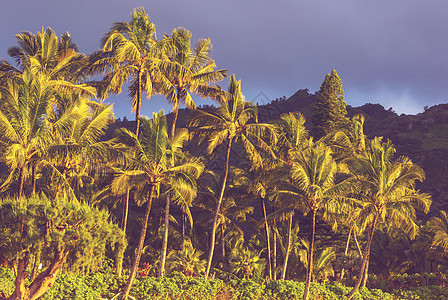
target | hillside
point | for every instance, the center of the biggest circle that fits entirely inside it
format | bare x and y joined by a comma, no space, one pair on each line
422,137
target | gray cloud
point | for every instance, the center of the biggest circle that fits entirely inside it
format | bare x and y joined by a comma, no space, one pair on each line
389,52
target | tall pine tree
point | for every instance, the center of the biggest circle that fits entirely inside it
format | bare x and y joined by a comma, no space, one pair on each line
330,113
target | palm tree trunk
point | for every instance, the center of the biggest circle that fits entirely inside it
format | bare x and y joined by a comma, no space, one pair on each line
288,249
125,211
218,206
138,254
165,237
274,250
364,261
33,177
366,273
139,103
346,251
223,246
310,255
176,113
357,245
183,224
167,210
268,241
21,181
124,222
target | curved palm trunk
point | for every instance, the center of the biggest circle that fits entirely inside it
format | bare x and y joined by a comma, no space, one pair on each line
165,238
366,273
310,256
268,241
215,218
139,103
364,261
288,249
138,254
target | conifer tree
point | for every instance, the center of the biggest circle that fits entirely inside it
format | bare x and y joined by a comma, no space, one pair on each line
330,112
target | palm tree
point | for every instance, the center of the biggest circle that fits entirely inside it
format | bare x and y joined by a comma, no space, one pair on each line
257,182
187,70
79,153
128,54
181,199
293,136
57,60
57,67
23,109
312,186
439,226
187,260
244,260
157,163
387,193
288,241
233,120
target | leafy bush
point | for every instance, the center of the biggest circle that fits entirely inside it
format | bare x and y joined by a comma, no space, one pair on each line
430,292
106,284
6,281
287,289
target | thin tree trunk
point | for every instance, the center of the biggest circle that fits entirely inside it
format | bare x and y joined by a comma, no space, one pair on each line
124,222
167,206
141,242
125,211
175,112
364,261
218,206
268,241
223,245
366,273
288,249
21,181
310,255
346,251
165,237
36,264
274,253
139,103
183,224
33,177
357,245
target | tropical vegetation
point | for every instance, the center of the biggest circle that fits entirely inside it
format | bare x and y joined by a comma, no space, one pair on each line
212,203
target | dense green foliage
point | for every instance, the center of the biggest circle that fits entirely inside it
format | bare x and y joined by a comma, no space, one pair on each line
330,113
106,285
325,211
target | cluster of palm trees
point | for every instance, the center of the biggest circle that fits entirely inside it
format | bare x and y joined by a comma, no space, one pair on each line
54,142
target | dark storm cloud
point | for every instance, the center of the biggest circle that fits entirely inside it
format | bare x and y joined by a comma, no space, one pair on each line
389,52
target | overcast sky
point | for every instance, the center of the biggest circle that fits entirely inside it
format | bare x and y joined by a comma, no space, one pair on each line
392,52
